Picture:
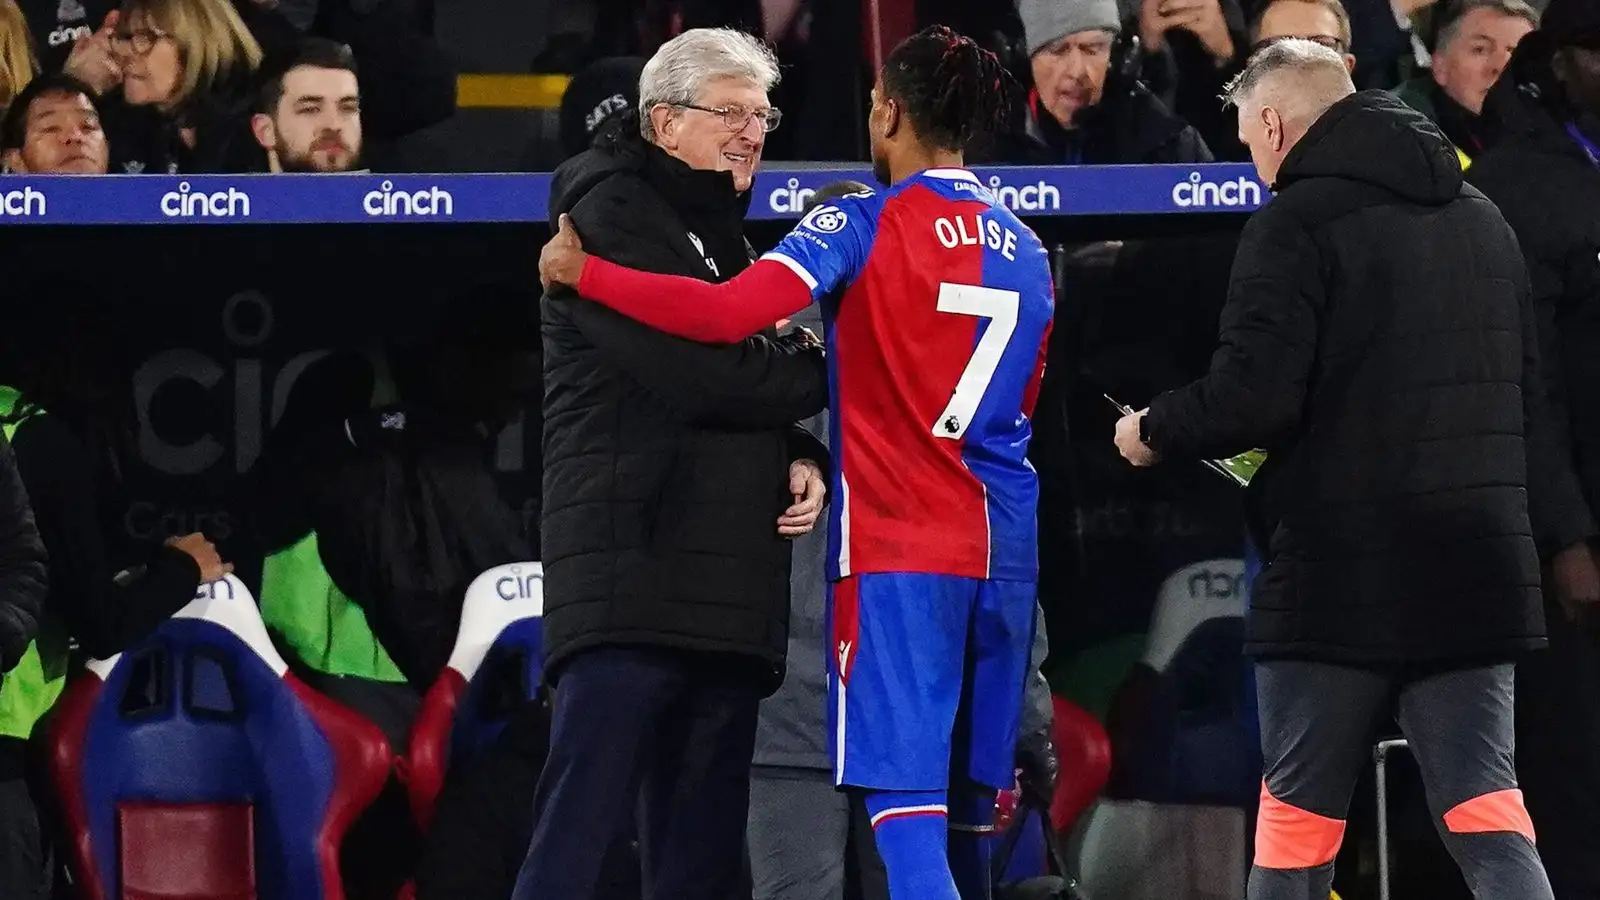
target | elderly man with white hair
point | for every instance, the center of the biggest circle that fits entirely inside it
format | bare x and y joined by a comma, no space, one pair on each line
1378,342
674,480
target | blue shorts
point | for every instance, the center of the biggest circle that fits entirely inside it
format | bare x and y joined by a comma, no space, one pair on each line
925,679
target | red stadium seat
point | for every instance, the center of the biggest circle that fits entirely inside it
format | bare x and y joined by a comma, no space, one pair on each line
194,766
495,667
1084,752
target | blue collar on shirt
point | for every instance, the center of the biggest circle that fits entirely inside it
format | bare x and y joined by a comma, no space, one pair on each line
1589,147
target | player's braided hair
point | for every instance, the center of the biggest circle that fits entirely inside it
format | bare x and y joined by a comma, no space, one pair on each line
952,89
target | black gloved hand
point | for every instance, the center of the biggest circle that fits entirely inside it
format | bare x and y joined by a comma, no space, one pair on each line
1037,767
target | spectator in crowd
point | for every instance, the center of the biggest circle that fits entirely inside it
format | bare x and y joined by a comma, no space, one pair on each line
1545,177
17,64
673,479
1398,404
1087,104
53,128
308,110
602,94
73,370
1189,50
1471,51
188,65
1202,79
410,83
22,594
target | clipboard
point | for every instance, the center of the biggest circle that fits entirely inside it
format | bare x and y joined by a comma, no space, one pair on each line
1237,469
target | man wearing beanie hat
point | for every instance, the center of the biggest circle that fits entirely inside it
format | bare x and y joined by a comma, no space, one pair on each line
1085,106
1545,177
596,97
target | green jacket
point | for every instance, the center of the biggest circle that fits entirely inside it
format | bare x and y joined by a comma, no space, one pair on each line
326,629
31,688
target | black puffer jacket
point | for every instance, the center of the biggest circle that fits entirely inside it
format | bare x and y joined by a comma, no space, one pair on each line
1549,191
1376,342
665,461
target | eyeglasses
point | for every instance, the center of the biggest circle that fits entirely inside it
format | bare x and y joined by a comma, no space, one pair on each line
140,40
737,117
1332,43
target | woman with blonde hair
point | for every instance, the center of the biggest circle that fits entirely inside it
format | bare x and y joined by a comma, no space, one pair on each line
186,67
17,63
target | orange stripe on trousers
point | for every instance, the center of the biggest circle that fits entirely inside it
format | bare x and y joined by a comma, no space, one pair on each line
1494,811
1288,837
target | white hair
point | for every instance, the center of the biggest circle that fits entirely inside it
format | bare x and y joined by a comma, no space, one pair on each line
1319,80
685,64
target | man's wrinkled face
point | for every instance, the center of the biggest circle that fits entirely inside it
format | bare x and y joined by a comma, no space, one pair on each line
1308,21
1468,66
722,131
1070,75
317,125
62,136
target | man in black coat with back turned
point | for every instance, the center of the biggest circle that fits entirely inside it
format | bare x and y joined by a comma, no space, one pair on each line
1378,342
673,478
1545,177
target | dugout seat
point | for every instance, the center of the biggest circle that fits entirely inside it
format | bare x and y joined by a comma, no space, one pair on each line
194,766
1083,751
495,667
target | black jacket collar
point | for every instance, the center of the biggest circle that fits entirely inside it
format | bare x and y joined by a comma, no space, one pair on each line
698,193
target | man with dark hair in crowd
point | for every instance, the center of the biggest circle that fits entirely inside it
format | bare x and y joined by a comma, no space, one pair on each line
1471,51
1379,343
673,477
1087,104
1545,176
308,110
53,128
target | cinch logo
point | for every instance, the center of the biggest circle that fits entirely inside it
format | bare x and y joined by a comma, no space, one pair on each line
1199,193
791,198
215,590
520,586
63,36
386,201
1029,197
26,202
186,204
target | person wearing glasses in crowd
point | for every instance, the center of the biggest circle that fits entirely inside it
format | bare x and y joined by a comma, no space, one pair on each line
674,479
185,68
53,128
1473,48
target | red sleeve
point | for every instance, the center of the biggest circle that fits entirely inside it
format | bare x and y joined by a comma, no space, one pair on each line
688,307
1030,395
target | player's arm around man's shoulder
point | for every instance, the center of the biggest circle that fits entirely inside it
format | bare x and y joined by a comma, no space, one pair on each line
761,382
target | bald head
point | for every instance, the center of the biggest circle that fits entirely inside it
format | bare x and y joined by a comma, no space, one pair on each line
1284,89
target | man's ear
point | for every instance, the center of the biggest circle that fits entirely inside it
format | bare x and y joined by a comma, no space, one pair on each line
265,130
891,121
665,125
1274,125
13,161
1350,63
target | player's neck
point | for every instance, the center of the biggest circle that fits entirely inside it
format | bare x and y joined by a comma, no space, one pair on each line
922,160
